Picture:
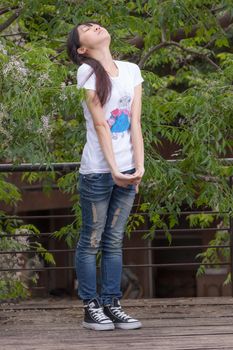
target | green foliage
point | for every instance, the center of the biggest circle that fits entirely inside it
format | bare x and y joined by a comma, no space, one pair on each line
9,193
218,251
11,289
48,257
214,255
14,284
69,233
134,222
200,220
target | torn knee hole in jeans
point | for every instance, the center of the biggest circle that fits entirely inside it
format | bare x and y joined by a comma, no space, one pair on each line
115,217
94,212
94,239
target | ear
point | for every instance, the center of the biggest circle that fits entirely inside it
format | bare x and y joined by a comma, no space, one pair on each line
82,50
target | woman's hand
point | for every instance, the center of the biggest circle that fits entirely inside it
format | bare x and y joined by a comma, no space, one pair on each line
139,174
123,180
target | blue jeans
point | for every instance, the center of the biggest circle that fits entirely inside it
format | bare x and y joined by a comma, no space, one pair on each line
105,210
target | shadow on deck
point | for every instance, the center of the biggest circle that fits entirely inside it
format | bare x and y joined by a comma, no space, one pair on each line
168,324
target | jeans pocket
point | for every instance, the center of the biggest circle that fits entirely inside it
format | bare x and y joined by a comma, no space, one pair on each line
93,176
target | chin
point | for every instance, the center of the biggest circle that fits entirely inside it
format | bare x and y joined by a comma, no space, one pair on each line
105,35
105,38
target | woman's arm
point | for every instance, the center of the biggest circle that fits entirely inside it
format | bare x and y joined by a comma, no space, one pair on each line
136,132
104,136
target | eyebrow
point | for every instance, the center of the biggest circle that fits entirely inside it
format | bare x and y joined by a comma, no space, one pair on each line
86,25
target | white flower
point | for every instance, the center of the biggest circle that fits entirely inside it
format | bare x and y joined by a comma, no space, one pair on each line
45,121
16,68
62,97
46,128
2,49
43,78
3,119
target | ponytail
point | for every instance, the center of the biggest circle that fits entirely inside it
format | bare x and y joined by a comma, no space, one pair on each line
103,82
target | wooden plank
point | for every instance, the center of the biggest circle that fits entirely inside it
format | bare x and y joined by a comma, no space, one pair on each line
148,330
161,311
159,317
114,341
75,303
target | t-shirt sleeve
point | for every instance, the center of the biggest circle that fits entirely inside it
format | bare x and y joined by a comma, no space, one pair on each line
86,77
138,79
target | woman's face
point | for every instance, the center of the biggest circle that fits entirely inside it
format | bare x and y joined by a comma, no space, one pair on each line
92,35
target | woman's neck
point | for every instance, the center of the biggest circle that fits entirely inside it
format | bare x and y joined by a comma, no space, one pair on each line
104,56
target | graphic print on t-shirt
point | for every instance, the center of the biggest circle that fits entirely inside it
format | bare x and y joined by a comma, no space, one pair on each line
119,120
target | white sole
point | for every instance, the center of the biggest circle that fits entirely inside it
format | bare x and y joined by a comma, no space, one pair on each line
133,325
99,327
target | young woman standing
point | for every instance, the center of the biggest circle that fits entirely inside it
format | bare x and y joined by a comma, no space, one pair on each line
112,167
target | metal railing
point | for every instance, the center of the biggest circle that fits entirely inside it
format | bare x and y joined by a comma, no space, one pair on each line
67,167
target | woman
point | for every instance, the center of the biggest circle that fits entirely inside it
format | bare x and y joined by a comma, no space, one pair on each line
112,167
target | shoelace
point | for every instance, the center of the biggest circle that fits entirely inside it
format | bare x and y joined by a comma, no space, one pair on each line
119,312
98,314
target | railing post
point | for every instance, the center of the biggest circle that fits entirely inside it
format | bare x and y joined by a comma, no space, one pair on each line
231,239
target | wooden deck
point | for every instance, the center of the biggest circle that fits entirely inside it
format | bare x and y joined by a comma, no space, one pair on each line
168,324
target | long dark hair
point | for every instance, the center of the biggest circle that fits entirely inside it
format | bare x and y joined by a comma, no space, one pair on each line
103,83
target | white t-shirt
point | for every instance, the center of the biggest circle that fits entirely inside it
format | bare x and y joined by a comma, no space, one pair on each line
117,112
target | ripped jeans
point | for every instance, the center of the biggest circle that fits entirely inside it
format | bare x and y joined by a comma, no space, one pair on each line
105,210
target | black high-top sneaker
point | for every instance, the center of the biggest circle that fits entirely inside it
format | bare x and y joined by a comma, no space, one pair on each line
119,317
94,317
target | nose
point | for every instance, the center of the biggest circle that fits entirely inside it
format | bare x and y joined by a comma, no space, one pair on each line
97,27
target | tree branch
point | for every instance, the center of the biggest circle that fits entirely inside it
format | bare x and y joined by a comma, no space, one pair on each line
218,9
14,34
150,51
7,9
10,20
211,42
173,43
163,34
224,21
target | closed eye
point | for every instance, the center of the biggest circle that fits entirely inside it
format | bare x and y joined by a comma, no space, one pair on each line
86,27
